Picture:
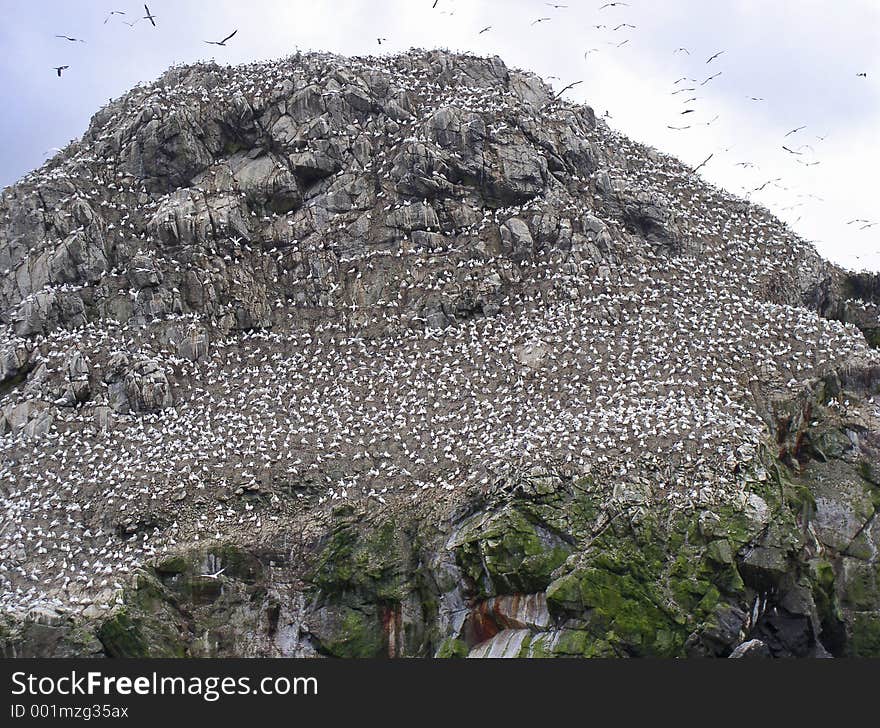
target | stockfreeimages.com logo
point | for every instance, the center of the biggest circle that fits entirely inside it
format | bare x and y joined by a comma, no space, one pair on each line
209,688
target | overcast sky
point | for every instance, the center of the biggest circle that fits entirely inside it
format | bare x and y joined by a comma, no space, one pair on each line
802,57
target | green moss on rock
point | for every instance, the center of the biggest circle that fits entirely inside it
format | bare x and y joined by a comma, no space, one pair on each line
122,637
149,624
374,564
452,648
507,553
173,565
349,632
238,562
864,638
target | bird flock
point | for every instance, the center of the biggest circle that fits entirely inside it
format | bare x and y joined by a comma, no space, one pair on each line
803,154
623,357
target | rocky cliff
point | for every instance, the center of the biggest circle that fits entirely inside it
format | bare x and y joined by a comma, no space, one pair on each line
407,356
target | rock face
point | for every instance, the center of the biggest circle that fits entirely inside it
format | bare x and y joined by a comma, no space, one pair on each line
403,356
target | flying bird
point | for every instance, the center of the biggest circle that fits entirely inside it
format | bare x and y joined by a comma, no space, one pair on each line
222,42
487,28
715,56
59,69
623,25
790,151
215,575
754,98
677,128
540,20
72,40
769,182
716,75
861,75
571,85
703,163
556,6
681,50
379,40
795,131
689,111
149,16
112,13
592,50
613,5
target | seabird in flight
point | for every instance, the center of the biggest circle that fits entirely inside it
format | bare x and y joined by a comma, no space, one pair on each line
769,182
716,75
222,42
59,69
795,131
703,163
215,575
149,16
72,40
571,85
613,5
487,28
715,56
112,13
541,20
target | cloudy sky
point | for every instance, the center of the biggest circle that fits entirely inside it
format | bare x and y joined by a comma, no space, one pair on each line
800,57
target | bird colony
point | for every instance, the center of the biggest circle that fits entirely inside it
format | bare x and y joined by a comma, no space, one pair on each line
251,293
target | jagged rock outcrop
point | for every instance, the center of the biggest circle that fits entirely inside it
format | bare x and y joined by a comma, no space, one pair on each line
406,356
